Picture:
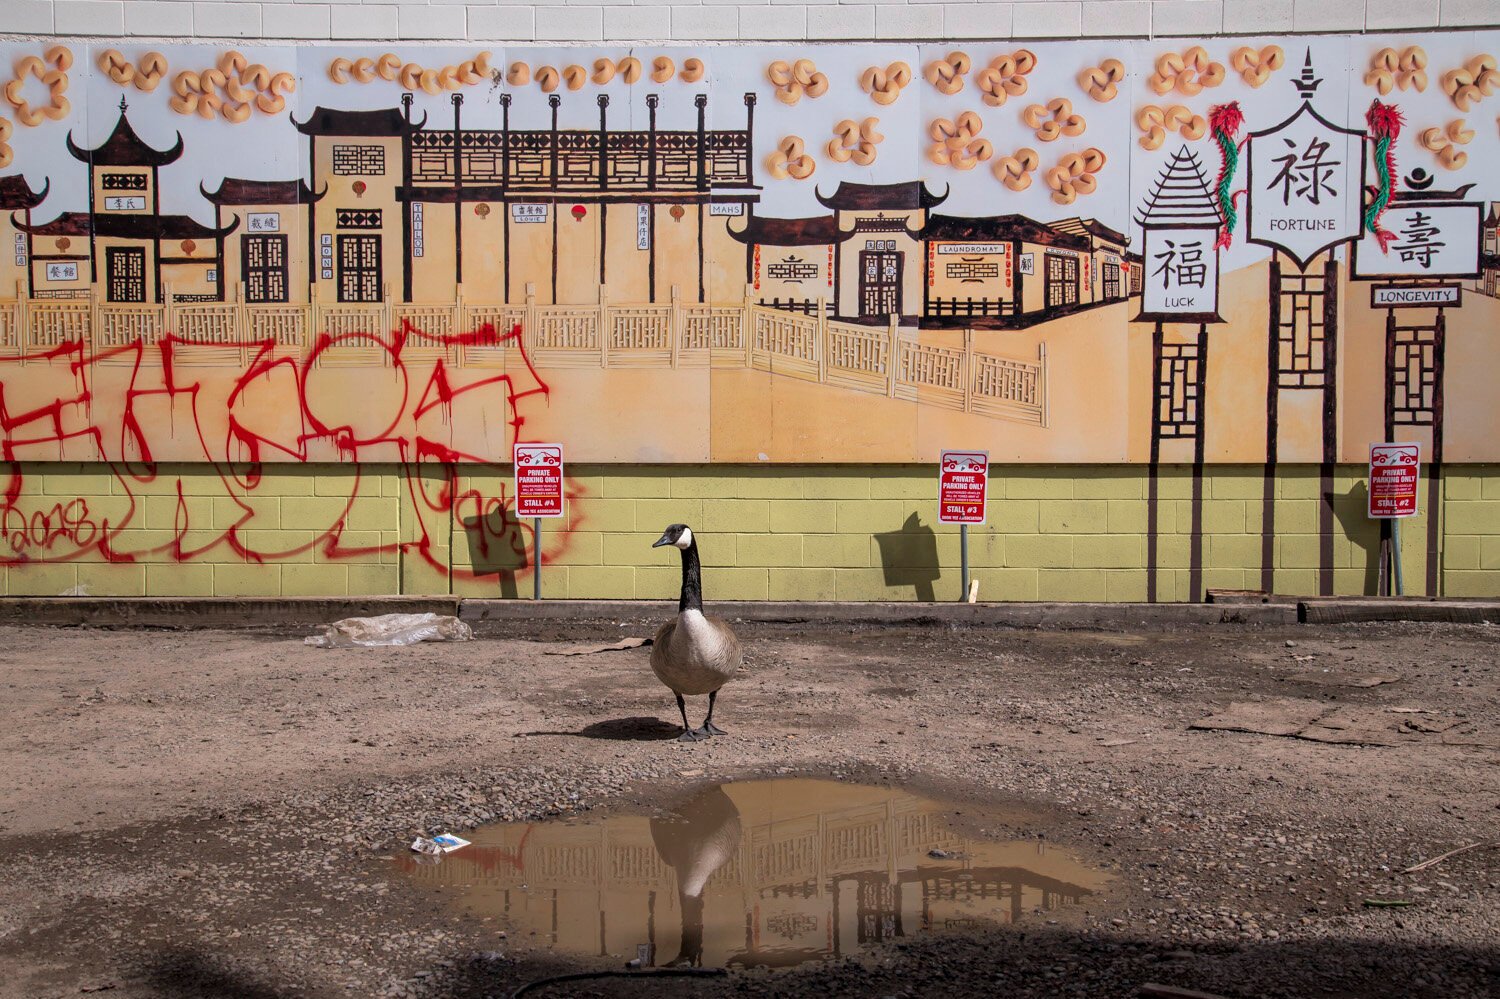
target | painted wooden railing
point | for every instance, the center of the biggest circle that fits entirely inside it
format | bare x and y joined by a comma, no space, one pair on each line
932,368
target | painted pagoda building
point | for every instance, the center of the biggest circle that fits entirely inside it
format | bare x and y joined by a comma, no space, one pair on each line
133,252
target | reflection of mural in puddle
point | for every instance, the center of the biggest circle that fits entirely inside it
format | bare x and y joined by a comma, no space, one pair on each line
771,873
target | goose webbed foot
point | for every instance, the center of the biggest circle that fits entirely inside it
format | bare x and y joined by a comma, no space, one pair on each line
709,728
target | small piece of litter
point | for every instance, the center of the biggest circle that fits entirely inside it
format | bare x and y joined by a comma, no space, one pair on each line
937,854
1451,853
390,629
1112,743
445,843
690,773
1151,990
1387,903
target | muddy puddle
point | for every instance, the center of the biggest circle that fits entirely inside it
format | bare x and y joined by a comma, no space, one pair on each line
767,873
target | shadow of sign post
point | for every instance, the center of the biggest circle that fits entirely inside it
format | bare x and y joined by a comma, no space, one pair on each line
909,557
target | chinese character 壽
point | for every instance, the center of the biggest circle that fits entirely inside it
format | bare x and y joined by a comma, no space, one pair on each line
1418,243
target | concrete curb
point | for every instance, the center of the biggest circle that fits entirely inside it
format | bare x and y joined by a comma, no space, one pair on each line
493,616
209,612
482,613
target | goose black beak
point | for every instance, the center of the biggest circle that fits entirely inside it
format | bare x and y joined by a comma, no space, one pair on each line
663,540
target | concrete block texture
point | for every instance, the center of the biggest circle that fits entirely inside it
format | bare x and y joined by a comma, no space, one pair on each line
779,533
725,20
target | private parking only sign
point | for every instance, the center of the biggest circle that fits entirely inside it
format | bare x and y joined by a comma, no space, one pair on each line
962,484
1393,479
539,480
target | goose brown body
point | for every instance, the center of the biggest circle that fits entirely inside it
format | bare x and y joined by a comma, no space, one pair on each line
695,654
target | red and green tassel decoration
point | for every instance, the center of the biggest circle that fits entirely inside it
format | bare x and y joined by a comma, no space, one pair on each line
1384,122
1225,121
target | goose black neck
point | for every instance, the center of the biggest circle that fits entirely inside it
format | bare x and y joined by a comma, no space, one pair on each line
692,579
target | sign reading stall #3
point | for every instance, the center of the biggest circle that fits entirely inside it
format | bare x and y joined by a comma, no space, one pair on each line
1393,479
962,483
539,480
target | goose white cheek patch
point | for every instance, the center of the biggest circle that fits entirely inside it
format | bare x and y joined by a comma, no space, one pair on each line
686,539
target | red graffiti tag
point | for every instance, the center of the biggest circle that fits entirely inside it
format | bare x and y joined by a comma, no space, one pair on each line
275,416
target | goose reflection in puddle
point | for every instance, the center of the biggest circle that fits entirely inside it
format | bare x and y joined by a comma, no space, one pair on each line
768,873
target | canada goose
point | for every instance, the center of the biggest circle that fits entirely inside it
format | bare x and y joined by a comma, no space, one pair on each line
693,653
698,840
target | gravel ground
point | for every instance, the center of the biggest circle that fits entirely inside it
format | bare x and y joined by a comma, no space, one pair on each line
212,814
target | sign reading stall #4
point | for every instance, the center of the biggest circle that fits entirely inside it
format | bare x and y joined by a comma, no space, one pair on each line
962,483
539,480
1393,479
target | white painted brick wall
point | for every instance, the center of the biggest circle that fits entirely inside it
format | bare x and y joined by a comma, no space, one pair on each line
694,20
159,18
1118,19
32,16
89,17
364,21
1259,15
219,20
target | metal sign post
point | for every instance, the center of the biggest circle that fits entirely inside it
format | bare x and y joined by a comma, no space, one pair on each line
1394,474
963,481
963,556
539,493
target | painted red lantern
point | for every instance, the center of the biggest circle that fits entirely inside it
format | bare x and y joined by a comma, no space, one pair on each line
482,210
579,212
677,213
188,246
63,243
359,188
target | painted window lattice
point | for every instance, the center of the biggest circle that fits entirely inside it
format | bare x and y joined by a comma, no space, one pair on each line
124,182
265,269
792,271
358,218
973,271
358,161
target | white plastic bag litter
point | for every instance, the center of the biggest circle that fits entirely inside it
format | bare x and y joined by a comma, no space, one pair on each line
438,845
391,629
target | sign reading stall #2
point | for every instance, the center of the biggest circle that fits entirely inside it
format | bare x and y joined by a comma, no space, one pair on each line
1393,479
539,480
962,483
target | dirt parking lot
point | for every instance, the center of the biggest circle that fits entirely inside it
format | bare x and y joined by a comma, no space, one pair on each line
214,814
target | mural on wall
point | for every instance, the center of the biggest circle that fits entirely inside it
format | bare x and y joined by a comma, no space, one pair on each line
757,253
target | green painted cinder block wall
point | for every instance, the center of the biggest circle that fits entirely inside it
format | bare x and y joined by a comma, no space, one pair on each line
823,532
